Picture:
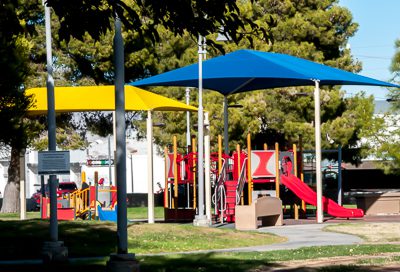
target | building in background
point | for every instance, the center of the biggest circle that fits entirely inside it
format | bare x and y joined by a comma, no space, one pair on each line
95,158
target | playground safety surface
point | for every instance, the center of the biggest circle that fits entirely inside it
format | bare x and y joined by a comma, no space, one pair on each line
329,219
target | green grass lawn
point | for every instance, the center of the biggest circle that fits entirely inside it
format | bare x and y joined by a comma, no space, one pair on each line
237,262
133,213
263,261
24,239
141,213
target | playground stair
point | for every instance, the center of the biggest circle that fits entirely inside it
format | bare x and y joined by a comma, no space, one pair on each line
230,187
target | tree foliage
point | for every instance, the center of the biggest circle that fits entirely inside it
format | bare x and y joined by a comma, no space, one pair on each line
22,65
385,138
314,30
14,52
198,17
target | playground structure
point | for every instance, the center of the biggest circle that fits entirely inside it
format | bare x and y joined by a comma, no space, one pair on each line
94,202
238,180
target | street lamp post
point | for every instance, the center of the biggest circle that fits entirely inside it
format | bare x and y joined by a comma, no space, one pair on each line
122,260
53,250
201,219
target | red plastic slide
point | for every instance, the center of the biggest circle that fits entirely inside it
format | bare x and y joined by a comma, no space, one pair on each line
309,196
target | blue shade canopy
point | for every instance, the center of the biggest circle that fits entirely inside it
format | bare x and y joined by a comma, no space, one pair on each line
246,70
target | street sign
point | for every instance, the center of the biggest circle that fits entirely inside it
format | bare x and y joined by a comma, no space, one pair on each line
99,162
53,162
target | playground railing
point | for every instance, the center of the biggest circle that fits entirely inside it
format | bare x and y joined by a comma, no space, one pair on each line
219,197
241,183
79,200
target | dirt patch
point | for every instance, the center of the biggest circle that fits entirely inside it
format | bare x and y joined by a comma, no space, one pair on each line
370,232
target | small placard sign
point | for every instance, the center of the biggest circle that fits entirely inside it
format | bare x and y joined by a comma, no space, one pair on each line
53,162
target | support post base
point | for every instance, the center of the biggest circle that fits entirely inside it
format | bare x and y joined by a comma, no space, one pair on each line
201,221
123,263
54,252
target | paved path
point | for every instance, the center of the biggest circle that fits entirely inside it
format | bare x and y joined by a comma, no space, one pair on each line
298,236
307,235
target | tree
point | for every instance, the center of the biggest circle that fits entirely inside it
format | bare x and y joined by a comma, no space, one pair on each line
197,17
394,95
21,67
385,137
14,48
319,31
88,45
315,30
24,55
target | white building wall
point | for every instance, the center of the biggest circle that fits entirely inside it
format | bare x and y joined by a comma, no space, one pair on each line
78,160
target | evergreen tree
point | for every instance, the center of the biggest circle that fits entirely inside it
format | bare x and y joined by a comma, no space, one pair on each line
314,30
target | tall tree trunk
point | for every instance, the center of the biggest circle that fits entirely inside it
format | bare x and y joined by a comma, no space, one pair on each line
11,191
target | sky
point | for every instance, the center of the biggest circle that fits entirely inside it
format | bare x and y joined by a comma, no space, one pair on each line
373,43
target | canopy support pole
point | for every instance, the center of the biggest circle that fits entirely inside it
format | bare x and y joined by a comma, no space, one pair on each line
150,185
226,136
207,165
188,138
317,104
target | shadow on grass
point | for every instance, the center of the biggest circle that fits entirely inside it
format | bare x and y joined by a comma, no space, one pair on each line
216,262
24,239
199,262
66,267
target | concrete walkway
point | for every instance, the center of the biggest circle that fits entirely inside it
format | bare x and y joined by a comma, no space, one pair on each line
307,235
298,236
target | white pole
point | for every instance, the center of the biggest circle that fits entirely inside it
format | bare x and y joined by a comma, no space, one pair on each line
109,154
200,217
317,103
22,188
132,185
150,196
226,136
188,118
207,166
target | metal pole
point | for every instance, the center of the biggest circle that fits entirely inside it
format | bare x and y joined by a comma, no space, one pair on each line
340,192
188,140
22,187
320,213
200,149
51,122
132,171
120,139
207,166
226,136
150,185
109,159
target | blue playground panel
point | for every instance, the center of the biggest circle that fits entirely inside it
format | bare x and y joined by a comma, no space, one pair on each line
107,215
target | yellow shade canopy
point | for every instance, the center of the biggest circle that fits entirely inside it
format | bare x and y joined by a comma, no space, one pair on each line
101,98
